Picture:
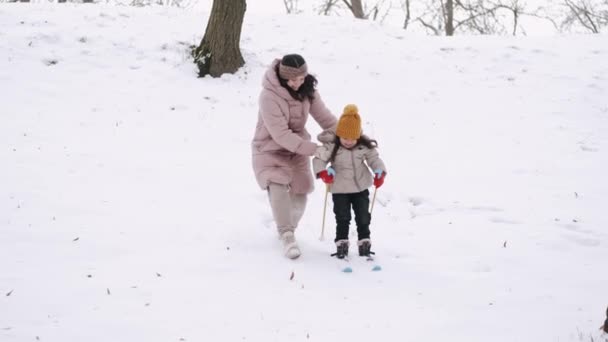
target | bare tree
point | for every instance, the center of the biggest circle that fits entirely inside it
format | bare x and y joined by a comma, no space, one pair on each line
591,15
358,8
327,6
448,12
291,6
433,17
515,9
405,5
219,51
474,16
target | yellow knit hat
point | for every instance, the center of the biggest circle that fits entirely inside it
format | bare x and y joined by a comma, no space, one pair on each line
349,125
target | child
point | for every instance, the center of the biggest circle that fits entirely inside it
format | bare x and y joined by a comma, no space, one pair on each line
351,156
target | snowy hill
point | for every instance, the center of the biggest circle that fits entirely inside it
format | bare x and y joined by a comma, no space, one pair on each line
129,211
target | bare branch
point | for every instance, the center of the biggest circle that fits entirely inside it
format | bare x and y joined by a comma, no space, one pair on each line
350,7
591,22
581,14
327,6
287,9
473,17
428,26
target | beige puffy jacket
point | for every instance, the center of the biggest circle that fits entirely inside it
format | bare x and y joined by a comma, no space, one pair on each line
352,166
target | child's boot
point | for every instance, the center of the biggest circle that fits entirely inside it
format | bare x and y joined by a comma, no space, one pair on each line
290,246
365,246
341,249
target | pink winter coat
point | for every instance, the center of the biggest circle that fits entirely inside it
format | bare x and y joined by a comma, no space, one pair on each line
281,146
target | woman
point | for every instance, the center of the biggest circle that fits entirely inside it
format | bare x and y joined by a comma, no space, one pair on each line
281,145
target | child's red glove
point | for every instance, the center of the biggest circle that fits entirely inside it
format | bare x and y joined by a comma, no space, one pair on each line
327,176
379,178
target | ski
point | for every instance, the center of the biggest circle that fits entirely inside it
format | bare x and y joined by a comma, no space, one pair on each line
343,264
364,252
375,266
348,268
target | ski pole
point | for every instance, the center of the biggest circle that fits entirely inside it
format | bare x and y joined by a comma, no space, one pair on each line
324,209
373,201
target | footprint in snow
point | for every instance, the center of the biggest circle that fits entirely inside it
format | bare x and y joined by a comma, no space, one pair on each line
503,220
485,208
415,201
583,241
588,149
50,62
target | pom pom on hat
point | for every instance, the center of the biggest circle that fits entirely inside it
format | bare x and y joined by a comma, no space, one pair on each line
349,124
351,109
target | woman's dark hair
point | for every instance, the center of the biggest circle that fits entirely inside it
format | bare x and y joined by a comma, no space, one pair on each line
363,140
307,89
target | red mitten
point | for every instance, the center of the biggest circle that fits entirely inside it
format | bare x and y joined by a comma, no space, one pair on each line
379,179
326,177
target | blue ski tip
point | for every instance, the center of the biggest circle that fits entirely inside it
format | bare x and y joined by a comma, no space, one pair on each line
347,270
377,268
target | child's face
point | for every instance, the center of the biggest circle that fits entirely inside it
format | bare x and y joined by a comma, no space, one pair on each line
348,143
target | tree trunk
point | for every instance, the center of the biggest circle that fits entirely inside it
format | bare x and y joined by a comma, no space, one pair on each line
406,22
356,8
219,51
449,18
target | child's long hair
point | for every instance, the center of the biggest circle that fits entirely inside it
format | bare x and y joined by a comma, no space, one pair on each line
306,90
363,140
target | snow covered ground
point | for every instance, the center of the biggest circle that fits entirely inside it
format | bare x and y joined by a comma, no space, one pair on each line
129,211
